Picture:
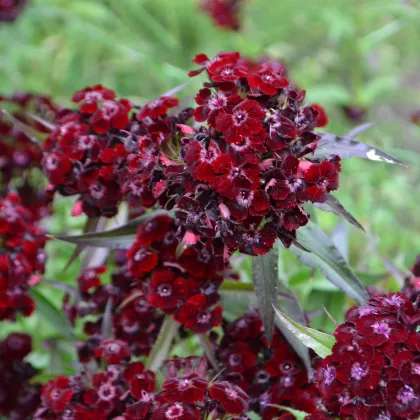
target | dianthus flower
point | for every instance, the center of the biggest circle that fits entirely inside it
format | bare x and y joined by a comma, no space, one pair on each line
224,13
103,154
18,398
269,375
250,170
373,371
186,285
133,320
22,257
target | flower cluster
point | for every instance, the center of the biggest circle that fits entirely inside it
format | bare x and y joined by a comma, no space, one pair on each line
18,398
411,288
185,285
224,13
103,151
268,374
11,9
22,257
19,152
374,372
128,389
132,318
251,169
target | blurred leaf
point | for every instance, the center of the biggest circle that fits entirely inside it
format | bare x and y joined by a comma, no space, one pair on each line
299,415
326,256
319,342
253,416
162,345
346,147
369,279
207,346
52,314
118,238
265,279
377,87
380,35
340,237
334,206
354,132
329,94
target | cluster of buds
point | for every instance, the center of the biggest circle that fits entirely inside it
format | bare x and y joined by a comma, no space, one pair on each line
374,371
224,13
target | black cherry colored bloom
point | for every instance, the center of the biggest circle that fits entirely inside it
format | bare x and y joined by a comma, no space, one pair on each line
251,170
183,285
415,117
18,398
11,9
373,371
22,257
268,375
224,13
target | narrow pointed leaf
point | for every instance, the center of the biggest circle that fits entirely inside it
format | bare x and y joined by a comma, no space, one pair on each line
326,256
118,238
208,349
106,326
332,205
289,304
340,238
319,342
265,279
354,132
35,136
299,415
163,344
52,314
347,147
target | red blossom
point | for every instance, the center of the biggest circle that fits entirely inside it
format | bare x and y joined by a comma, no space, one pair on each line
232,398
157,108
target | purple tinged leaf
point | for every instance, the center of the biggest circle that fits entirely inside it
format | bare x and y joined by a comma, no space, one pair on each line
347,147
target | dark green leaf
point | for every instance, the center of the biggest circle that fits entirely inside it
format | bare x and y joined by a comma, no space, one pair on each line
265,279
52,314
162,345
326,256
334,206
347,147
320,342
118,238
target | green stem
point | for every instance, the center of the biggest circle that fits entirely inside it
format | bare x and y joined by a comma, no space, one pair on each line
163,344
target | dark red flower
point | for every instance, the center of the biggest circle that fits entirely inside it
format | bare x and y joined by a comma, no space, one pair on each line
11,9
139,379
176,411
141,260
113,351
232,398
90,278
157,108
57,394
226,67
225,13
15,347
268,78
153,230
188,388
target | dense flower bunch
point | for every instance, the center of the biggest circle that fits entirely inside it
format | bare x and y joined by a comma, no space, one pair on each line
22,257
132,318
18,398
17,150
373,372
269,375
11,9
103,151
251,167
128,389
186,285
411,287
224,13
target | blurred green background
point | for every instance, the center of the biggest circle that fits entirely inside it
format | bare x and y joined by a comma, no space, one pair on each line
358,53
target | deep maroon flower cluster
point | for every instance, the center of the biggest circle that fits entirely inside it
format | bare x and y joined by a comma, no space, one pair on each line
269,375
224,13
104,152
415,117
411,287
18,152
186,285
251,167
373,372
11,9
18,398
132,319
128,389
22,257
